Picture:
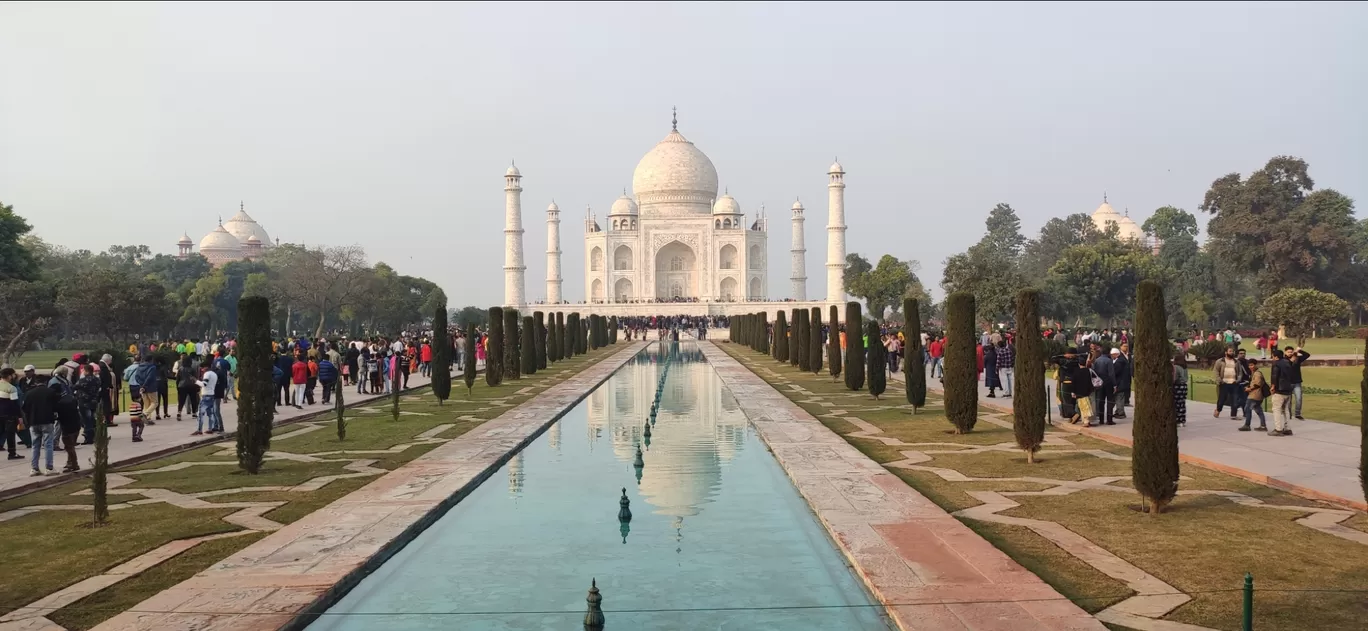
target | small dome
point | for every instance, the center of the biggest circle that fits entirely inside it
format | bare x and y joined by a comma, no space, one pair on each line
185,240
836,168
252,240
512,170
797,206
726,205
219,241
553,207
623,206
1105,214
1128,229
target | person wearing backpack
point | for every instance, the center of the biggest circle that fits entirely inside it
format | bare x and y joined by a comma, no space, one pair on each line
1255,392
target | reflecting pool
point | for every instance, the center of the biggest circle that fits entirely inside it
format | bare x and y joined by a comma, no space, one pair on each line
718,537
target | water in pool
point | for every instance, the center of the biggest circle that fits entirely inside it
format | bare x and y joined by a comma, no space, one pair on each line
718,539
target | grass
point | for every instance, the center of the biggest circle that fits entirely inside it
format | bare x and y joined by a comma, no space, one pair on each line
1206,543
1326,345
54,549
1345,408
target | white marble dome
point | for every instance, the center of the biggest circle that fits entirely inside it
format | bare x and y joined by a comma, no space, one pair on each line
797,207
726,205
220,246
1129,230
836,168
675,171
243,227
623,206
512,171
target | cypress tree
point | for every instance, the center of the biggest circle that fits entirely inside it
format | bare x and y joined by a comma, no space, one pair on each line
256,403
1154,452
961,363
571,328
612,330
876,361
468,371
395,381
795,341
781,338
553,340
803,338
562,343
441,356
539,339
494,347
764,333
512,345
528,359
815,341
340,408
99,480
1363,424
584,336
834,343
1028,401
855,351
914,366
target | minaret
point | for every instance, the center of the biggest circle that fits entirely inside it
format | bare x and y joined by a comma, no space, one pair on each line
514,270
553,254
836,250
799,253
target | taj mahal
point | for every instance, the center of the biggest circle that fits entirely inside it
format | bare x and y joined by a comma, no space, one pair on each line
673,239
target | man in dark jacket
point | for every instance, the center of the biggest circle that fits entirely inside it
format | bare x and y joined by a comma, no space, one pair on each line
10,412
327,378
1104,397
1295,358
109,388
40,415
1121,366
1282,387
147,376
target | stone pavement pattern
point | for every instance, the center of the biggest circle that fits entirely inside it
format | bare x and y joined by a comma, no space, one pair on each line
167,435
1320,460
932,571
267,584
1153,597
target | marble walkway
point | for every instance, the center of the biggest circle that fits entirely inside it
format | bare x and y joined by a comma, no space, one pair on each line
931,570
1319,461
168,435
271,582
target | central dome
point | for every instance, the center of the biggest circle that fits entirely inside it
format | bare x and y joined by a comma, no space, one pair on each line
675,172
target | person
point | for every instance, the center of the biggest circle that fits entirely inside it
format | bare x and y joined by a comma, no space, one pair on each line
299,380
1295,358
1180,387
312,383
88,391
1282,388
988,364
145,374
222,370
1074,385
163,388
208,383
10,412
1262,345
286,364
109,388
1104,397
187,373
1227,382
1242,378
40,415
231,358
1006,361
327,377
1121,365
894,350
936,350
1255,391
425,357
68,415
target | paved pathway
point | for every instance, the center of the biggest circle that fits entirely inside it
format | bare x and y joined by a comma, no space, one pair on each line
1320,460
931,570
269,583
164,436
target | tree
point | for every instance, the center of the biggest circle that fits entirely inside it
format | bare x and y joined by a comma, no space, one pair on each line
781,337
795,329
28,311
877,360
512,344
1168,223
571,335
914,369
1099,277
441,354
256,404
562,344
326,279
1057,235
834,343
1154,454
1002,233
471,317
613,330
539,339
1273,225
803,336
1363,424
1302,311
1028,402
340,408
961,363
494,349
17,262
855,351
99,480
201,309
553,343
814,345
468,370
989,269
527,361
881,287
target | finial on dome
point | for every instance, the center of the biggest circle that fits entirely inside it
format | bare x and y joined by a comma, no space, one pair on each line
674,119
220,220
1104,197
241,206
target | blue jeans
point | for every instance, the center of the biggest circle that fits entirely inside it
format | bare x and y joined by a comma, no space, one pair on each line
1250,407
1297,396
216,422
1228,394
936,368
88,423
43,435
206,411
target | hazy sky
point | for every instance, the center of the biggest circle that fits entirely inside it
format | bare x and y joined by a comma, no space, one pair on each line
390,125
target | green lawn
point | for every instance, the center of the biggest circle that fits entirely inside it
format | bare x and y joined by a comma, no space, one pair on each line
1337,408
1329,346
56,548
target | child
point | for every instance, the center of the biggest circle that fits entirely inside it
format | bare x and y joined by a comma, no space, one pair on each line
135,417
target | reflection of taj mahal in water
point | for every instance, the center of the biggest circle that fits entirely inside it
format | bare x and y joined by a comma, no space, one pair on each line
698,429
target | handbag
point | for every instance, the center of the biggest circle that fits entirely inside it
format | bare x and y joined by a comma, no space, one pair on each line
1096,381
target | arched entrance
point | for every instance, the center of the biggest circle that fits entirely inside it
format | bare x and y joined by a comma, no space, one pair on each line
622,290
728,289
755,288
596,294
676,272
